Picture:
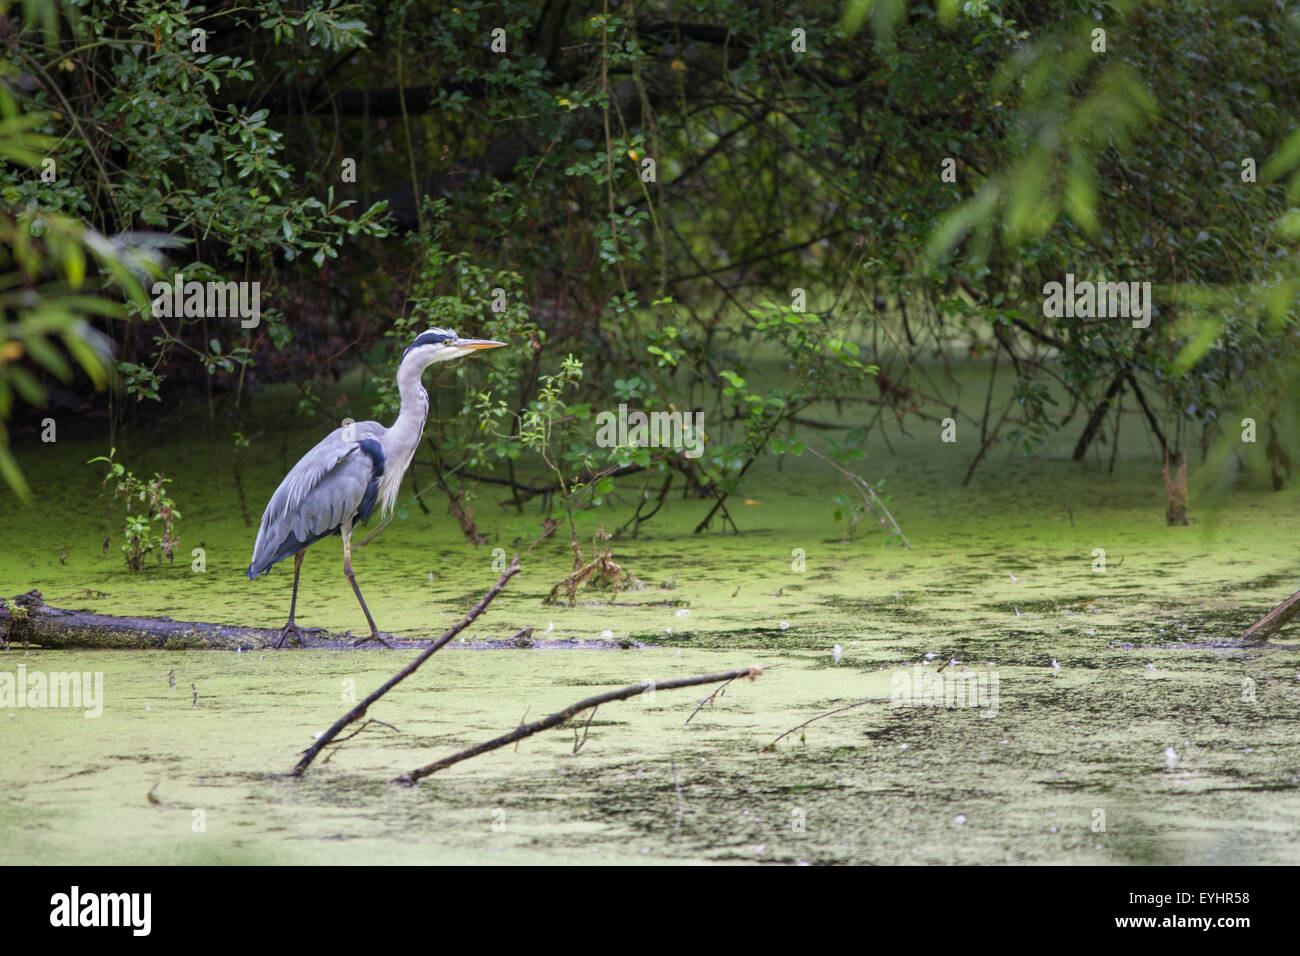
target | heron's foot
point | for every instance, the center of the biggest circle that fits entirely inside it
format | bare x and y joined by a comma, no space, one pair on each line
379,636
300,633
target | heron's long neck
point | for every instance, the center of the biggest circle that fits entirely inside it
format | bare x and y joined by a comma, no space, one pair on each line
400,440
405,433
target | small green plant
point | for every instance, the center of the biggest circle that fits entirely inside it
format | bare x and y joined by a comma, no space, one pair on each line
155,512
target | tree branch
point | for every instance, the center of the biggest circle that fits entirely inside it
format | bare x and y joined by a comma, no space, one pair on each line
359,711
560,717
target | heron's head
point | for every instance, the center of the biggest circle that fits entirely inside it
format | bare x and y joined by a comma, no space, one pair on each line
441,345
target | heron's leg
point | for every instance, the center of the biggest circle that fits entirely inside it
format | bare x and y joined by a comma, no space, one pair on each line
375,635
291,627
297,567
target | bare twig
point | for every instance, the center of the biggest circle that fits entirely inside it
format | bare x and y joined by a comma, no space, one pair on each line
869,496
681,804
577,744
359,711
560,717
708,700
342,740
829,713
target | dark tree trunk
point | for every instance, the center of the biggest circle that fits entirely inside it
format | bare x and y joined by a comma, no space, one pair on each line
1098,416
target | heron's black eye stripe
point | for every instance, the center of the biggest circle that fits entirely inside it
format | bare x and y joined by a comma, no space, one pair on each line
429,338
432,338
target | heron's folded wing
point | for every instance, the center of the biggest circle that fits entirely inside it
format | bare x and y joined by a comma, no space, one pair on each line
324,487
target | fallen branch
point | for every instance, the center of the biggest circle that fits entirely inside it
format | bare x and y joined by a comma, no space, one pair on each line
27,619
560,717
829,713
359,711
1272,622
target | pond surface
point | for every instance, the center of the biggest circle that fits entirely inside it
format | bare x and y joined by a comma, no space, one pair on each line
1117,721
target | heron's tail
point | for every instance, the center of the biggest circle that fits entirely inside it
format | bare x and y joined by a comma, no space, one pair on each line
266,553
264,557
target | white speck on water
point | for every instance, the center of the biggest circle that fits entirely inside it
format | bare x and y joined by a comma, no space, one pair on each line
1055,665
836,653
607,633
959,820
1171,758
784,625
683,612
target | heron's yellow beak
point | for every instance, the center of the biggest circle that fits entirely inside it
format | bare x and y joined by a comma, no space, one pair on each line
478,344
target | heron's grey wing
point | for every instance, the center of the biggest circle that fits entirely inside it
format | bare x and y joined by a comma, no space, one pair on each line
327,486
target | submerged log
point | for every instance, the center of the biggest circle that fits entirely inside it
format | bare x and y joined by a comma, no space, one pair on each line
1272,622
27,619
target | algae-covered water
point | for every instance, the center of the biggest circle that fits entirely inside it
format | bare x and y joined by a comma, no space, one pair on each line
1114,720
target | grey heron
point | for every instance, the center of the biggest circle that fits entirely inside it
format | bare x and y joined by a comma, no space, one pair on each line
337,484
